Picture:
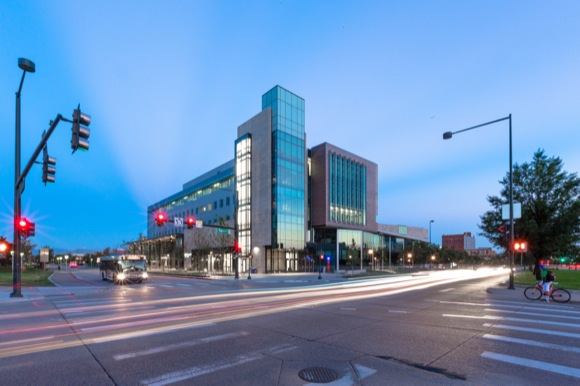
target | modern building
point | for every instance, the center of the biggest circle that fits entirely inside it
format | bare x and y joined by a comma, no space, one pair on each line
278,206
462,242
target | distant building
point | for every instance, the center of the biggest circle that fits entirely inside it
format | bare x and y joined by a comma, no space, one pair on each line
482,252
463,242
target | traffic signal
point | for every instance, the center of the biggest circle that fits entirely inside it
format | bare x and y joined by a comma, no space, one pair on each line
520,246
5,248
190,222
160,219
237,248
26,227
48,166
80,133
502,231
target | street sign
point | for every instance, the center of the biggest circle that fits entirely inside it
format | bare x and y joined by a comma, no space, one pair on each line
199,223
222,231
178,221
505,211
44,252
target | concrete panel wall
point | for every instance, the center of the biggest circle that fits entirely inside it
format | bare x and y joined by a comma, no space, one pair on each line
320,188
260,127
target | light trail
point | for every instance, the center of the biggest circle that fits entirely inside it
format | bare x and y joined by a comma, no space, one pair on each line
218,308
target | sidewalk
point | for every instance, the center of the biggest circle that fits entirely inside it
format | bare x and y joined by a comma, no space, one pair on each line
71,286
502,292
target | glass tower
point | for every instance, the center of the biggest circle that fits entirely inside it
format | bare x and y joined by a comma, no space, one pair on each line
288,168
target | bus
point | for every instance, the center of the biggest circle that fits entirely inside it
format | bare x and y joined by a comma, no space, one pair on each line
124,268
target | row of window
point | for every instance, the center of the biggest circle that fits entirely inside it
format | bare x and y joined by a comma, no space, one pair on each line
347,189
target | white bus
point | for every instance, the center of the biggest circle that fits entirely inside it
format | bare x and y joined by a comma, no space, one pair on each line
124,268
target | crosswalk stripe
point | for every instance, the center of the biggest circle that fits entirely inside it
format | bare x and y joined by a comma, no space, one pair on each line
535,330
539,365
551,315
532,343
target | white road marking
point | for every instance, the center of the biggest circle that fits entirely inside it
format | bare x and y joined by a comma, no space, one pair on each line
532,343
169,347
72,314
539,365
534,330
148,332
398,311
508,319
201,370
133,324
551,315
447,290
488,317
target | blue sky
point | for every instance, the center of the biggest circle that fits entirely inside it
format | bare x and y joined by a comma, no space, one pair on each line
168,82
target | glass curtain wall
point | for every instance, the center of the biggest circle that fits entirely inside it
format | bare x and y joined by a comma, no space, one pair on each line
347,191
244,193
288,168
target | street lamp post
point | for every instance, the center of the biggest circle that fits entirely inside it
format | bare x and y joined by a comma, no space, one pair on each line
448,135
26,66
371,259
430,222
351,269
320,266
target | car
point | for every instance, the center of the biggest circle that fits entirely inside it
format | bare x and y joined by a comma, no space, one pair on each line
73,264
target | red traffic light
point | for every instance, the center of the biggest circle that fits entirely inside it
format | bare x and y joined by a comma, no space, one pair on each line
160,219
190,221
520,246
26,227
5,247
23,224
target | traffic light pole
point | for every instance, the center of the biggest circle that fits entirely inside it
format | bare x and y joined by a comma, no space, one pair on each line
19,179
16,266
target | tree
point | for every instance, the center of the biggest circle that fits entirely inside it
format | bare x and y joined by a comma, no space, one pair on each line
550,201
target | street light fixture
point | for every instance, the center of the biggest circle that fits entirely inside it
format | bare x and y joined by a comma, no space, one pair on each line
448,135
430,222
26,66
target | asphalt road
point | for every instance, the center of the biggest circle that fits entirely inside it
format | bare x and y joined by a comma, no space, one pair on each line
287,330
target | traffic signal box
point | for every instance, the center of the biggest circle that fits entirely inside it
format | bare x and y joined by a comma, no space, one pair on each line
80,131
48,166
26,227
160,219
520,246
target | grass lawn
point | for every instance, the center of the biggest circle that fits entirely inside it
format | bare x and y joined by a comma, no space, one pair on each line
565,278
29,277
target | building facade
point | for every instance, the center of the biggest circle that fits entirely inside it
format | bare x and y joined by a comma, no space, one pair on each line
462,242
284,207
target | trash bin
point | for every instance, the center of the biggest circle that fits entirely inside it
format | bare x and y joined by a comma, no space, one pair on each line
254,270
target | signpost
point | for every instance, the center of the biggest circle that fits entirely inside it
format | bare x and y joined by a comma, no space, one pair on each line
44,253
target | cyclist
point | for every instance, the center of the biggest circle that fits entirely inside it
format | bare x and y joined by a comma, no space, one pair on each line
547,278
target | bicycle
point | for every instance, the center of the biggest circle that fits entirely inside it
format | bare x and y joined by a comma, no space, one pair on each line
559,295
